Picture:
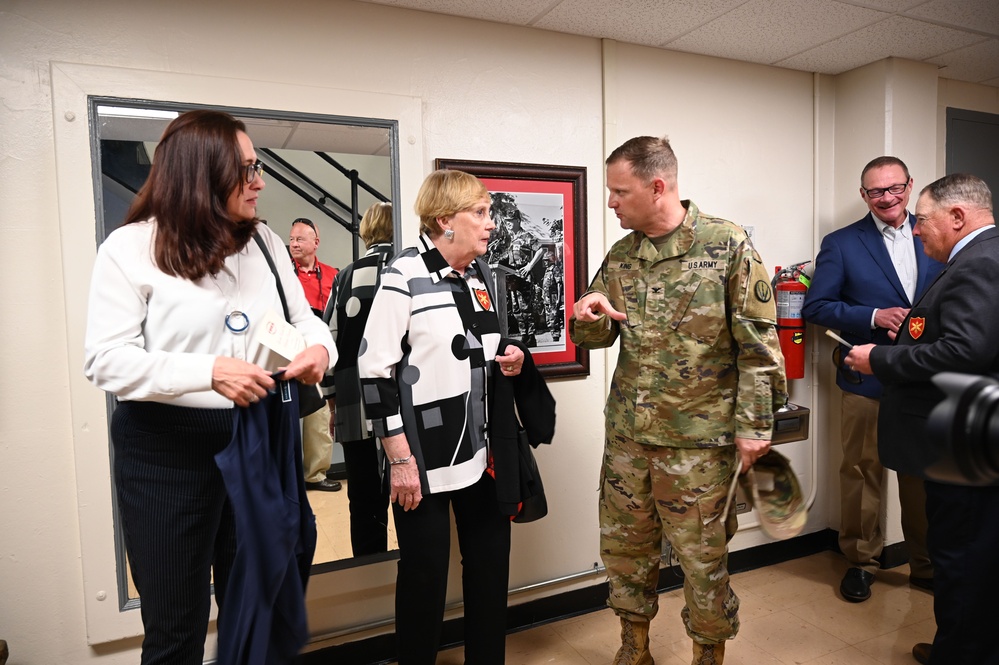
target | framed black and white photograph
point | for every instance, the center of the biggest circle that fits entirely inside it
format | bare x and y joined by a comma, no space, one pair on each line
537,253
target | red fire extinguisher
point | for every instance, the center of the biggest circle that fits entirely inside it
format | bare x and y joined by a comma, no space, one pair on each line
790,284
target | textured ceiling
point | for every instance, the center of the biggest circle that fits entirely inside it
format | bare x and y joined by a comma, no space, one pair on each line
961,37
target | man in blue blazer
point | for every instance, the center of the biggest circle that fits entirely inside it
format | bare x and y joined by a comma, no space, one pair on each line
951,328
867,275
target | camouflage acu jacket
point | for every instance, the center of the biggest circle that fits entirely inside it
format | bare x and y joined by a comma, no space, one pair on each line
699,363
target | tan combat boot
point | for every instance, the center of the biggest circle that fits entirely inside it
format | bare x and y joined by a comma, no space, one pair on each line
634,644
708,654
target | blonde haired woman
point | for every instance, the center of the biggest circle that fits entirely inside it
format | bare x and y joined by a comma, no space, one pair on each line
428,351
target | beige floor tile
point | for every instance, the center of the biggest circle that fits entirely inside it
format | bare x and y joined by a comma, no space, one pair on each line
667,627
791,614
896,648
330,545
539,646
333,525
789,638
847,656
595,636
889,609
664,656
795,582
824,565
752,605
737,652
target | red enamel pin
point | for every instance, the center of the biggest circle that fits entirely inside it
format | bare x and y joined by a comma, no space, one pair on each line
483,297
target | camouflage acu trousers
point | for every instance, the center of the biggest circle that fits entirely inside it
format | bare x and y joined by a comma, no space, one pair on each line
646,491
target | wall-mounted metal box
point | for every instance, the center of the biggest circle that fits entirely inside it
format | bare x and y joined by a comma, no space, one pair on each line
790,424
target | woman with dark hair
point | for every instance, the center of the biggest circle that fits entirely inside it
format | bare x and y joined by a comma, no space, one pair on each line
347,313
177,294
430,348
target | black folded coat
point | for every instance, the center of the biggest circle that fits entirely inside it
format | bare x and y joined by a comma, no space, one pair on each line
518,482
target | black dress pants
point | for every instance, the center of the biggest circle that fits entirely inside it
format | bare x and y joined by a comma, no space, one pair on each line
367,497
421,584
963,541
176,519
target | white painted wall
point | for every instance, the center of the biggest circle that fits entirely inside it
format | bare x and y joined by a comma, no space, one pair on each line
752,145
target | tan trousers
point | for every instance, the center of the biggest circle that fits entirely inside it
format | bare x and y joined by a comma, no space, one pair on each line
861,480
317,444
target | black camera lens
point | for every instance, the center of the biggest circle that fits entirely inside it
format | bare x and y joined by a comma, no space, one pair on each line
968,421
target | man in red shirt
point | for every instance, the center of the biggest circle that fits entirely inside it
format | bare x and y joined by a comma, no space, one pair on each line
316,277
317,281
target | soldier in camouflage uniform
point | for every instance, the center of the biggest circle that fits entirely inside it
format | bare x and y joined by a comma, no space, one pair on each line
523,251
698,378
552,294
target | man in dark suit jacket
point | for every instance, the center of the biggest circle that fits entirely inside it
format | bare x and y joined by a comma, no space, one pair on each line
954,327
867,276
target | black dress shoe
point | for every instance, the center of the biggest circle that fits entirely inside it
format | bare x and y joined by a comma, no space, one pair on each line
924,583
325,485
921,652
856,585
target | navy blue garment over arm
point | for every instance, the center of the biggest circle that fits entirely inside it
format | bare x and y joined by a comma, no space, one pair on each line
264,619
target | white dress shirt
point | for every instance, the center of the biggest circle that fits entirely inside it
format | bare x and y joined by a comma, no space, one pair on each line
902,251
154,337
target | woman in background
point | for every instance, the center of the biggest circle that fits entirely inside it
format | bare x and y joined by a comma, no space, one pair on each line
429,348
347,313
175,296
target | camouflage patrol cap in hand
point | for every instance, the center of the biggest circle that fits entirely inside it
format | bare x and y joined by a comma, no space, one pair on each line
773,489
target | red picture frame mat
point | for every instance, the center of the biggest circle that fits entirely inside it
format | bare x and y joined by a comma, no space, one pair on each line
515,186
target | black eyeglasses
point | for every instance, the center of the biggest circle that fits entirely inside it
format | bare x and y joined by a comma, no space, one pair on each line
878,192
851,376
253,170
306,221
